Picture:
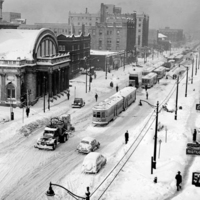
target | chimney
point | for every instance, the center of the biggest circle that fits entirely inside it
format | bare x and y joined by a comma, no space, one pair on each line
86,11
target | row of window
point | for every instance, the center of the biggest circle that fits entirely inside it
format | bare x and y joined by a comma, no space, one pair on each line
73,47
90,18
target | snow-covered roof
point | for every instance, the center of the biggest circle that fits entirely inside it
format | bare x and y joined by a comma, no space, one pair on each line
117,97
160,35
92,156
18,43
89,139
102,53
50,129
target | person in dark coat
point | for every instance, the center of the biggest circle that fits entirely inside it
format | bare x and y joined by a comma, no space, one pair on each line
126,137
147,95
68,95
117,88
96,96
27,111
178,178
195,135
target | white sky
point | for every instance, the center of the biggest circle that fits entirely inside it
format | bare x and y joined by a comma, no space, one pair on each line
175,14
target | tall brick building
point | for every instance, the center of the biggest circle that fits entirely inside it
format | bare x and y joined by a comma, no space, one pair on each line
31,66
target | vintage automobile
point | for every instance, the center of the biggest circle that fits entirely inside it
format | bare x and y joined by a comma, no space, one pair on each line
87,145
93,162
78,103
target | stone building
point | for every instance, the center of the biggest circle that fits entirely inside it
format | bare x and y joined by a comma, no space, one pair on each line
176,36
88,19
79,48
31,66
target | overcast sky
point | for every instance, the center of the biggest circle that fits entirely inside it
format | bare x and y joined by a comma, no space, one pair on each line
173,13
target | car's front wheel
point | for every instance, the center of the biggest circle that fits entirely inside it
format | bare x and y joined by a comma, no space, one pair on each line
54,146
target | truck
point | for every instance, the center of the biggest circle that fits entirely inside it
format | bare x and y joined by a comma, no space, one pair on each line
56,132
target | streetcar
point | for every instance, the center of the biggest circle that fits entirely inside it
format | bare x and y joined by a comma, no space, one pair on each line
160,71
135,77
111,107
147,70
149,80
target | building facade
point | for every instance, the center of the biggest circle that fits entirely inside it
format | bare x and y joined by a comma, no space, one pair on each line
176,36
88,19
31,66
79,48
142,30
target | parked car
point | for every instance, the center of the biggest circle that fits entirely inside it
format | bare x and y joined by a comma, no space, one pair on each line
78,103
87,145
93,162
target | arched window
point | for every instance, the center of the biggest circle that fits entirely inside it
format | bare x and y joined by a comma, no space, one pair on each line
10,90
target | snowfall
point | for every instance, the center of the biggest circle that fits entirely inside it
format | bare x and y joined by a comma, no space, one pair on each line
26,171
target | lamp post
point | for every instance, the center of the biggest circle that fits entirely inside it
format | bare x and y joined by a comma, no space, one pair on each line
192,70
44,79
175,117
50,193
176,99
106,67
196,66
186,84
153,161
86,75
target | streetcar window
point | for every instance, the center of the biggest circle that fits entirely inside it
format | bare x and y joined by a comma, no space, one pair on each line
103,114
94,114
98,114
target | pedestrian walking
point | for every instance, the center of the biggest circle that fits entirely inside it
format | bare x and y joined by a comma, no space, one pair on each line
95,75
147,95
126,137
178,178
68,95
195,135
27,111
117,88
96,96
87,194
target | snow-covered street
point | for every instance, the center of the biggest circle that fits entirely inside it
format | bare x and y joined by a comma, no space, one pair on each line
26,171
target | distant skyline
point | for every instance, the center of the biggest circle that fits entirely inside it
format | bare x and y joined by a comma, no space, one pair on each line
178,14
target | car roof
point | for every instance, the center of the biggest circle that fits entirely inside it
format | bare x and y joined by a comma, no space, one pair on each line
89,139
92,155
78,98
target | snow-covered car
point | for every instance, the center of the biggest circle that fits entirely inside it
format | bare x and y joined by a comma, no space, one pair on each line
87,145
78,103
93,162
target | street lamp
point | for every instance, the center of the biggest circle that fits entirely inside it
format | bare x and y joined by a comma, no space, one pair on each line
50,193
186,85
192,70
175,117
44,79
106,67
196,66
153,161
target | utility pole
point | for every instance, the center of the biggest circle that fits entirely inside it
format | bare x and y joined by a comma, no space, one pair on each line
176,99
156,131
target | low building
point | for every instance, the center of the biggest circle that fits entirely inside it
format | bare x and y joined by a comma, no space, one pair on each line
31,66
106,60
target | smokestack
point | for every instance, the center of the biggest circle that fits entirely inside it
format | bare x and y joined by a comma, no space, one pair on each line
86,11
